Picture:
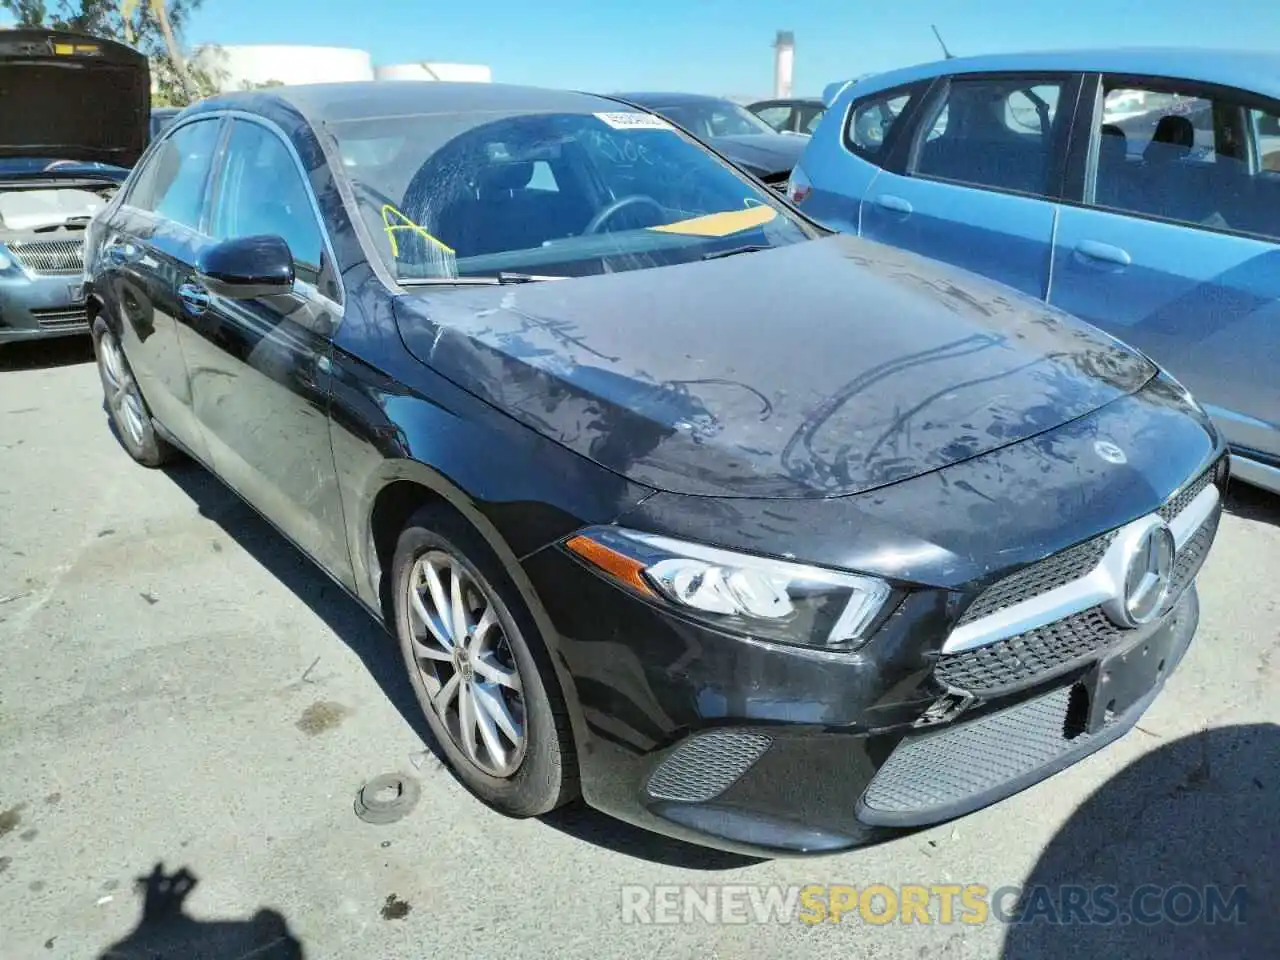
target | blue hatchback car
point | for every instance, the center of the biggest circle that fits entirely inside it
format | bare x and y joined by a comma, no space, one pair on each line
1138,189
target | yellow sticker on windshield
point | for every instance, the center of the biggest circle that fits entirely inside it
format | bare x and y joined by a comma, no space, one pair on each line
721,224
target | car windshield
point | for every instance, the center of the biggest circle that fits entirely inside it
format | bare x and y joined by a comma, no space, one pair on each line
715,118
471,195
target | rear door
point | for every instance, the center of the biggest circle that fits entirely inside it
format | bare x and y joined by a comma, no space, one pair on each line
979,176
1171,241
260,368
149,245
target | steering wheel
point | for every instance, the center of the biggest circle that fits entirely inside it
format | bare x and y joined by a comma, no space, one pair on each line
607,214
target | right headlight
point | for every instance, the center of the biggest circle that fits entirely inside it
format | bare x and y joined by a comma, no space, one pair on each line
756,596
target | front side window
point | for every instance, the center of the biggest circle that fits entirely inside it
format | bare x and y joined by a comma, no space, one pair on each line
997,133
261,192
552,194
172,183
871,120
1188,156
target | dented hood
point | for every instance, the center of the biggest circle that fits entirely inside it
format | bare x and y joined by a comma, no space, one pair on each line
820,369
67,96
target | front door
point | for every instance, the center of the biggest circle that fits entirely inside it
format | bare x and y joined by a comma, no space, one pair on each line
981,173
1173,247
259,368
150,242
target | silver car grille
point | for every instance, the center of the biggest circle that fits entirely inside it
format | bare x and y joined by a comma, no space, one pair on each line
49,256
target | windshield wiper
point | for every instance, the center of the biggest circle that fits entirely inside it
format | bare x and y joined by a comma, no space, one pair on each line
505,276
734,251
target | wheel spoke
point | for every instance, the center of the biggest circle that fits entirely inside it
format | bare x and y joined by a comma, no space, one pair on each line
446,694
487,622
424,652
467,722
419,607
493,710
485,722
459,625
488,667
438,599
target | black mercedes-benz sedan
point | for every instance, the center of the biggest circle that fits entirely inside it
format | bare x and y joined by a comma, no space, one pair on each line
755,535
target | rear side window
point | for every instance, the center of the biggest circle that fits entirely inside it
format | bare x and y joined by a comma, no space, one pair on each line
871,120
997,133
172,183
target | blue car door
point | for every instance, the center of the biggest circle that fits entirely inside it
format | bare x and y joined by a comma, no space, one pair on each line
979,177
1172,245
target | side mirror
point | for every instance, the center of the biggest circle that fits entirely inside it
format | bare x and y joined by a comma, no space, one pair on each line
246,268
1268,125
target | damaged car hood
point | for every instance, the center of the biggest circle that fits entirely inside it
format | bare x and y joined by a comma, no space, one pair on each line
67,96
819,369
764,154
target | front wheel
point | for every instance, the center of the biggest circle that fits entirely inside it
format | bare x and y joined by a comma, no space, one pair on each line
130,417
479,669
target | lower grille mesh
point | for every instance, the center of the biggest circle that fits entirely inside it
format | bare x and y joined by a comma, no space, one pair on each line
61,318
706,766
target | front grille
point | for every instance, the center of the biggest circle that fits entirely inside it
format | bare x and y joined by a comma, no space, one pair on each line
61,318
1059,647
50,256
1038,578
706,766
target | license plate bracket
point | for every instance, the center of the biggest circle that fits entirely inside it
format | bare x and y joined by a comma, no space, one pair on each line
1125,676
76,292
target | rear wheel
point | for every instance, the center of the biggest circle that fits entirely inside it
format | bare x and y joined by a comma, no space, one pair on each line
479,669
130,417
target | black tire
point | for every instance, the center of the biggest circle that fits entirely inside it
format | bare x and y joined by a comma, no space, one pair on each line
134,428
546,776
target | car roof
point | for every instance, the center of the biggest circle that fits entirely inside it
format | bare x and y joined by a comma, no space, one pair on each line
356,100
669,99
1258,71
788,101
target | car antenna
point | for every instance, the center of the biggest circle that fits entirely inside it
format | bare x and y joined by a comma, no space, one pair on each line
942,43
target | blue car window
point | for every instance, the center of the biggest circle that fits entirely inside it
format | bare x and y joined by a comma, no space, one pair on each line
262,193
995,133
173,179
871,120
1185,158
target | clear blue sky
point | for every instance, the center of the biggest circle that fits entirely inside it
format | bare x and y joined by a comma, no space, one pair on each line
719,46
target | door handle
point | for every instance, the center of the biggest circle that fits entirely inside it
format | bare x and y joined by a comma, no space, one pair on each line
194,297
896,204
1103,253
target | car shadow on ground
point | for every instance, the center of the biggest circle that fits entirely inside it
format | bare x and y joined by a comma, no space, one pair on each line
1253,503
46,354
165,932
381,657
1193,822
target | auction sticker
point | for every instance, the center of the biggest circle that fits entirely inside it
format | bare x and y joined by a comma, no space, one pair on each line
634,121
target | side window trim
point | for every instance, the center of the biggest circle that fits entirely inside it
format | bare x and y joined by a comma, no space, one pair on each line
330,264
1068,99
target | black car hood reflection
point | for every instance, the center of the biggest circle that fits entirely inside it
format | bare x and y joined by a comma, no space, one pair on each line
763,153
824,368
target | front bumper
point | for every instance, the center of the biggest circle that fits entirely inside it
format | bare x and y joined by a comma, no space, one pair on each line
40,306
763,748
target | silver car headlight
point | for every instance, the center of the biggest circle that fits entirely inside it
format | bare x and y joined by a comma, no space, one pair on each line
755,596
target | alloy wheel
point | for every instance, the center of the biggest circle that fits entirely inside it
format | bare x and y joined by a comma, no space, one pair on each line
464,658
122,391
